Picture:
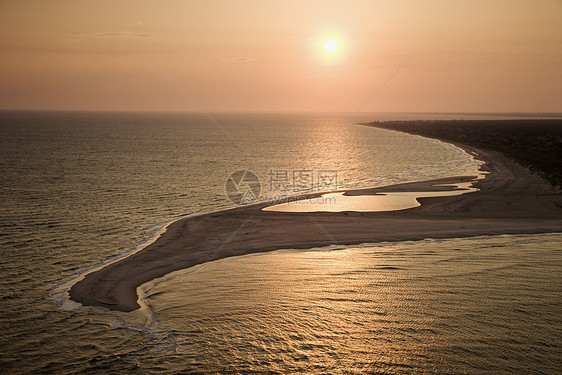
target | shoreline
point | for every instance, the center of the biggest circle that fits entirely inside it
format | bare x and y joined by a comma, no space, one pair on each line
511,200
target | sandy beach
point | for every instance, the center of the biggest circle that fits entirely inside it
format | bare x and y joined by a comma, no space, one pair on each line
510,200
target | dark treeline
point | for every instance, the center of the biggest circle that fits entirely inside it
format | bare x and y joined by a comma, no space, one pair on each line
533,143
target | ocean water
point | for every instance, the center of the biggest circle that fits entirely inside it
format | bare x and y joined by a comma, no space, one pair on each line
78,189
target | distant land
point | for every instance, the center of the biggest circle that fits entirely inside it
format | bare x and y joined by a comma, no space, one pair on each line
536,144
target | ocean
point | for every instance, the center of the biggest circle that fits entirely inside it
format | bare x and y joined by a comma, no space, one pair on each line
79,189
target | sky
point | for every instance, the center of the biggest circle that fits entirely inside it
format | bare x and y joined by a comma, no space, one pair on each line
271,56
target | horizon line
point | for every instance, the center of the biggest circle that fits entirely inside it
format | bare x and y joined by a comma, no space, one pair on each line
276,112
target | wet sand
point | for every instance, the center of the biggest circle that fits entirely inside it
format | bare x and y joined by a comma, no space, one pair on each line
510,200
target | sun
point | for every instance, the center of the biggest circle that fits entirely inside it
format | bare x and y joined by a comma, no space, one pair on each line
331,46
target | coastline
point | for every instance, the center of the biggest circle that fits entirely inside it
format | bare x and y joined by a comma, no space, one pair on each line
511,200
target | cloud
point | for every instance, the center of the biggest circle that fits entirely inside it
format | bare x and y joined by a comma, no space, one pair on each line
245,59
110,34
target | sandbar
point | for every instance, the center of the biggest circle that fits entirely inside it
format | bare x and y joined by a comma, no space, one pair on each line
510,200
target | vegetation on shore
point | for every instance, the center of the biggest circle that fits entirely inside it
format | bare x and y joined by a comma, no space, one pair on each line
536,144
